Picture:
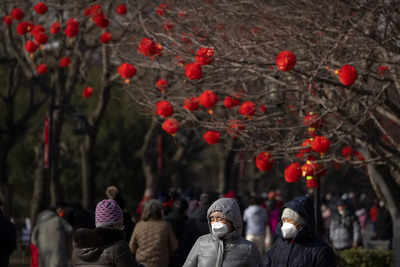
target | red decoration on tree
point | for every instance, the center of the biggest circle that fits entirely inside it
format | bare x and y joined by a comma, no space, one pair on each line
264,161
382,70
310,168
285,60
31,47
359,155
161,9
191,104
105,37
42,69
248,109
168,26
263,108
64,62
204,56
162,85
55,27
24,27
101,20
7,20
40,8
235,127
293,173
171,126
193,71
347,151
312,182
93,10
208,99
17,13
41,38
212,137
72,28
87,92
307,144
148,48
37,29
121,9
321,144
126,71
164,108
230,102
347,75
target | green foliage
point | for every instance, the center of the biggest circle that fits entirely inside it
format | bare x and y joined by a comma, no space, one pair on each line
365,258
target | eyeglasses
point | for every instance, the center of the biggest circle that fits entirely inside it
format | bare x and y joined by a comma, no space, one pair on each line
217,219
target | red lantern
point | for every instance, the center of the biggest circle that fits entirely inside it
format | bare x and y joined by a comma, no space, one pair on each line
312,121
87,92
312,182
72,28
347,75
149,48
121,9
191,104
161,9
248,109
126,71
382,70
263,108
24,27
321,144
307,144
347,151
41,38
310,169
37,29
42,69
204,56
164,108
235,127
208,99
162,85
171,126
64,62
7,20
55,27
40,8
264,161
31,47
17,13
212,137
101,20
193,71
93,10
230,102
168,26
285,60
293,173
105,37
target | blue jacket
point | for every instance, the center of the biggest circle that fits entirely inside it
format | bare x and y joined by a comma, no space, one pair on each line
306,250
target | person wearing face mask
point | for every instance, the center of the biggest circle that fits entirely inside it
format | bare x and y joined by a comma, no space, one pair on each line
296,244
344,230
224,246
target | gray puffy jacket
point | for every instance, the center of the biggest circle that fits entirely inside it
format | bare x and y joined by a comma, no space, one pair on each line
231,251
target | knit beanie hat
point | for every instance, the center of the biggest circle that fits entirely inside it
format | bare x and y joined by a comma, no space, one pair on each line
293,215
108,213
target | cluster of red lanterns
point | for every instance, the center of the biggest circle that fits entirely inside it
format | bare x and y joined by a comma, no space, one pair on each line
149,48
204,56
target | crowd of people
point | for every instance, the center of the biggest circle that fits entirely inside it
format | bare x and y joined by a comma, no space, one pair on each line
181,229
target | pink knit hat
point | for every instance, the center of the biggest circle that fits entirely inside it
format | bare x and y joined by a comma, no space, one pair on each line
108,213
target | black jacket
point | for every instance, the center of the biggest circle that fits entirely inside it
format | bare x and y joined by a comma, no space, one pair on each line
8,237
306,250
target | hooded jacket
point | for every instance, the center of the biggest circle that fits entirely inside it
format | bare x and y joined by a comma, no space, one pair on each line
101,247
230,251
305,250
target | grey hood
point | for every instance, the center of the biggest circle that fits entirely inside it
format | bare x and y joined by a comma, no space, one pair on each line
230,208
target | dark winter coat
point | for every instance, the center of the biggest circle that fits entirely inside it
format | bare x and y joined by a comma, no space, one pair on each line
384,226
306,250
101,247
8,239
231,251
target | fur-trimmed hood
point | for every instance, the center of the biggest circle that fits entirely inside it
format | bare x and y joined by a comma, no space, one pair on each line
90,243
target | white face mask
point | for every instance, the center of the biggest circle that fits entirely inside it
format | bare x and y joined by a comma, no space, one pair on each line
219,229
289,231
342,212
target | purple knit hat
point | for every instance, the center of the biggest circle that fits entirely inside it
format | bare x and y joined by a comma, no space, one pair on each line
108,213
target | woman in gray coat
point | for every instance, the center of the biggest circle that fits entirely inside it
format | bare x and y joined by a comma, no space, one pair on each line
224,246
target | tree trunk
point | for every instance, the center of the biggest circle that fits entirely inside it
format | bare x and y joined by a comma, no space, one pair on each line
87,165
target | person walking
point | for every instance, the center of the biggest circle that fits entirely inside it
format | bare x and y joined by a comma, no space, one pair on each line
296,244
223,246
103,246
8,239
153,240
256,221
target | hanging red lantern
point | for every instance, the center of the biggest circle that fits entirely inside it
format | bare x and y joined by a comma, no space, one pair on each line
55,27
164,108
37,29
24,27
41,38
230,102
40,8
126,71
208,99
148,48
293,173
72,28
191,104
31,47
347,152
121,9
87,92
42,69
347,75
285,60
171,126
313,122
263,108
235,127
312,182
93,10
310,168
160,10
212,137
64,62
7,20
321,144
162,84
307,144
193,71
168,26
382,70
105,37
101,20
248,109
264,161
204,56
17,13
